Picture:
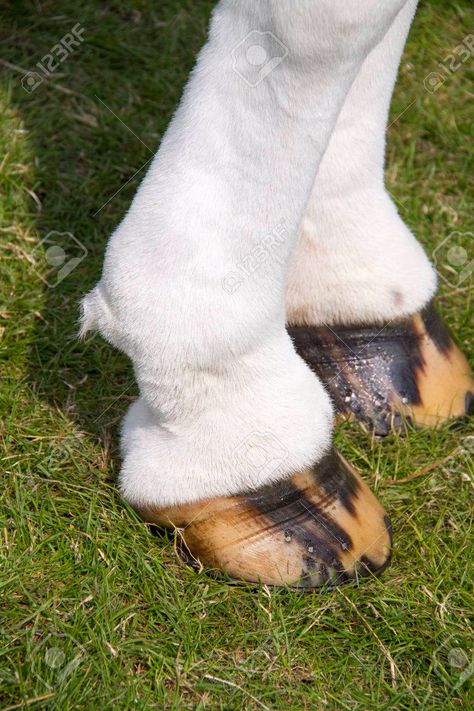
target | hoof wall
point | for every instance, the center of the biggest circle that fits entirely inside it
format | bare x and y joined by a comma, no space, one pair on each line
322,526
408,372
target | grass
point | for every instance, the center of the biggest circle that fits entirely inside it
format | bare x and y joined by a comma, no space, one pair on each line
97,612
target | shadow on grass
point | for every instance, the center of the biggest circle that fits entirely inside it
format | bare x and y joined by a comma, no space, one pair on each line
93,126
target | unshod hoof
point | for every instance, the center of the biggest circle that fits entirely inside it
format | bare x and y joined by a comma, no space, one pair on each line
320,526
386,376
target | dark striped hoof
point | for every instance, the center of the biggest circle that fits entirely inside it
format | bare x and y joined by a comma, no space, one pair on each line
385,376
320,526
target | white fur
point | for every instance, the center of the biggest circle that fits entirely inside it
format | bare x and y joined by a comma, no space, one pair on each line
233,431
220,383
356,260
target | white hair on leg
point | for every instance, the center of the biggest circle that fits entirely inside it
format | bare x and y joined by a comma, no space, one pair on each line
356,260
193,285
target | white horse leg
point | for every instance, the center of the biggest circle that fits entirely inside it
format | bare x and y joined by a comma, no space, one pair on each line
356,260
358,265
193,286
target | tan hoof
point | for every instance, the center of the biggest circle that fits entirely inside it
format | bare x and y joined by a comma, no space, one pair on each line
322,525
410,370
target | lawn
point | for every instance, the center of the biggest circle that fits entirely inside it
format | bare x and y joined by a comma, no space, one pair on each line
98,611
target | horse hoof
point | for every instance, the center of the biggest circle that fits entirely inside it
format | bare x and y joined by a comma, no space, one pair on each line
320,526
409,371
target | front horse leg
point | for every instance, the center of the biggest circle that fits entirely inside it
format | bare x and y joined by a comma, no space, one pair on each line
230,439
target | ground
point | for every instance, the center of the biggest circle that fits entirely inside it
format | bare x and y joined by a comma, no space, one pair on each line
97,610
